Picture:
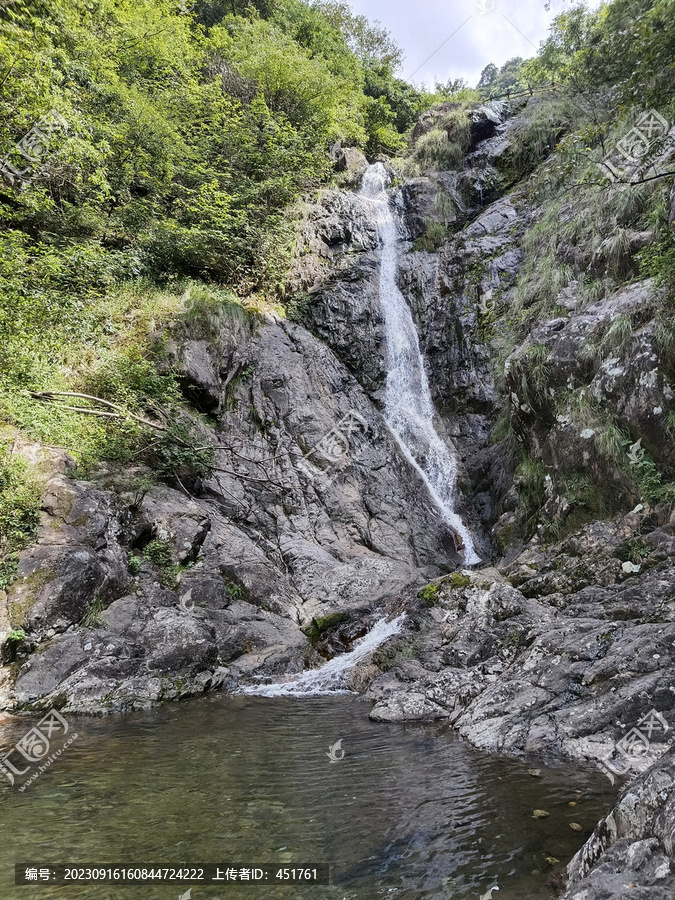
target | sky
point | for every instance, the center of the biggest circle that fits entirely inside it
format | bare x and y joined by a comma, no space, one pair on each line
445,39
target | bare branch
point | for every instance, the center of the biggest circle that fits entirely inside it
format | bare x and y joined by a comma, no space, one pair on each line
119,412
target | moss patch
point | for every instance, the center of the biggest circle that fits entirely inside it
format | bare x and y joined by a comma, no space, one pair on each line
322,624
430,595
457,580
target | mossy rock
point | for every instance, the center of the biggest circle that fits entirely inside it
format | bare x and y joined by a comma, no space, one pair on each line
26,593
323,624
430,595
508,535
457,580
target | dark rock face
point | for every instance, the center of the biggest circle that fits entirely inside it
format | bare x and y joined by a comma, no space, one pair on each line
283,534
77,558
200,381
339,270
452,293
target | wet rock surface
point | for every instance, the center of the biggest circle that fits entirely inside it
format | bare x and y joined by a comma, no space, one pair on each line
556,653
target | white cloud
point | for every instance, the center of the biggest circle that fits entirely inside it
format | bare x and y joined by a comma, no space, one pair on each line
484,31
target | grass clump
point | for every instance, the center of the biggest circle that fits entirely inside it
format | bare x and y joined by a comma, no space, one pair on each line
529,375
433,238
444,146
531,486
20,497
93,618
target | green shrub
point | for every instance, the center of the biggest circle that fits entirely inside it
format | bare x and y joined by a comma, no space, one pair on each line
430,595
159,553
20,496
298,306
173,455
234,591
16,636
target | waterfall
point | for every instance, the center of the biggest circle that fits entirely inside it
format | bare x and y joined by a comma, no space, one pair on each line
330,678
408,407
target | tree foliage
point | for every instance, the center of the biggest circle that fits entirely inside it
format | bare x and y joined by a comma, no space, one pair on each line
193,126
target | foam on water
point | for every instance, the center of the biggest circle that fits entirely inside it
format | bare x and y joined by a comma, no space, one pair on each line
331,677
408,408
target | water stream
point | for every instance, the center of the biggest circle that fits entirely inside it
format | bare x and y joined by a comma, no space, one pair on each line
330,678
408,407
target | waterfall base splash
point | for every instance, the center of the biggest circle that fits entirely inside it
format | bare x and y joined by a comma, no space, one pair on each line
331,677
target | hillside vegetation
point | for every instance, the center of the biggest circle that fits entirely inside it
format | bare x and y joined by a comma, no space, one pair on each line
184,135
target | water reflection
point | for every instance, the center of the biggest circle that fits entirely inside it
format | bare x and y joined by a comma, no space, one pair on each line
410,812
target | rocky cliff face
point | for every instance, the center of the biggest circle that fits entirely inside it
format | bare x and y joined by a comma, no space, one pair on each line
559,644
219,586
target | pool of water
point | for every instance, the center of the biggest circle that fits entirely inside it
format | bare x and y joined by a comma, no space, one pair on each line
410,812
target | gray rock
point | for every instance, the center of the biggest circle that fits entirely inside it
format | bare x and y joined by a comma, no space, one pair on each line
199,378
630,852
351,160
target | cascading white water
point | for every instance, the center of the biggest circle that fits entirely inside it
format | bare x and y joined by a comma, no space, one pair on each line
408,407
330,678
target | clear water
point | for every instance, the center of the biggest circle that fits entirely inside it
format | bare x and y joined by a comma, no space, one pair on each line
331,677
410,812
408,408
